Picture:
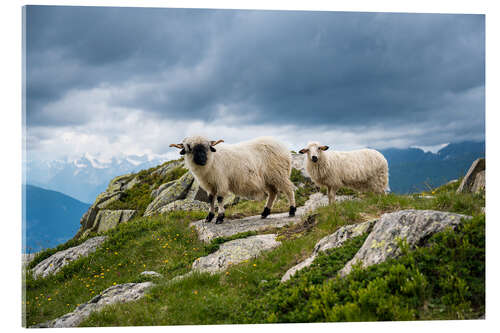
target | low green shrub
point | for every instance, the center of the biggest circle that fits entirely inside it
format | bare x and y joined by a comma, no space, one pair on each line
443,280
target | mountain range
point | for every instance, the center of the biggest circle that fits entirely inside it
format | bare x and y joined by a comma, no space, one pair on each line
51,218
84,178
413,170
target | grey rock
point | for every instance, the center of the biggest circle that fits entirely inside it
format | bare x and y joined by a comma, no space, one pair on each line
209,231
131,183
413,226
161,188
87,221
185,205
479,182
467,184
298,162
234,252
28,257
117,183
107,219
121,293
58,260
335,240
163,170
197,193
176,191
151,274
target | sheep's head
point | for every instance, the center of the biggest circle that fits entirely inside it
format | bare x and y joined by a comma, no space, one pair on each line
197,149
313,151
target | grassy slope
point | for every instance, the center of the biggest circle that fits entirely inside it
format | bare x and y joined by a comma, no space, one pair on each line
249,292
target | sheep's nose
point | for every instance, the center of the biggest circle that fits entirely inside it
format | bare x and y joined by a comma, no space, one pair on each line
314,159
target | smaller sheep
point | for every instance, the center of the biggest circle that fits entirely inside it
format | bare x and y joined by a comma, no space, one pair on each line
248,169
364,170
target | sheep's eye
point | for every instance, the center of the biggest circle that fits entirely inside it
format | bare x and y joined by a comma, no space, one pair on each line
188,147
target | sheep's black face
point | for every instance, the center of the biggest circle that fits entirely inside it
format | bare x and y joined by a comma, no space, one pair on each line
200,154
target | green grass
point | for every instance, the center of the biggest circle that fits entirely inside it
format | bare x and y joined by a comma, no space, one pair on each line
442,281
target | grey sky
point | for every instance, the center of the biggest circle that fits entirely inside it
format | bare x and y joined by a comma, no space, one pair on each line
130,80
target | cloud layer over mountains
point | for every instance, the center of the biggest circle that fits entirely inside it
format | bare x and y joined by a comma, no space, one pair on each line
132,80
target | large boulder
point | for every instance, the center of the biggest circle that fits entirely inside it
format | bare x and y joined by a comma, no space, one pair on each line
234,252
176,191
58,260
197,193
114,191
413,226
185,205
108,219
474,180
121,293
209,231
335,240
156,192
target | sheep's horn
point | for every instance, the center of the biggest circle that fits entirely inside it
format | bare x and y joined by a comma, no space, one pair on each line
213,143
177,145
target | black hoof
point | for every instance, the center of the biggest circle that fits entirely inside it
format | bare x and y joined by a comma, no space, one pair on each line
265,213
292,211
210,217
220,218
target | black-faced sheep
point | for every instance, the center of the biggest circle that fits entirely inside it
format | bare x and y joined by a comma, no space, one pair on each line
248,169
364,170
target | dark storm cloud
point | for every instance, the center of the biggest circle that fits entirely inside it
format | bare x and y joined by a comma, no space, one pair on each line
301,68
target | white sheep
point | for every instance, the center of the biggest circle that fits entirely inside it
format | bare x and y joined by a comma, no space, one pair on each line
364,170
248,169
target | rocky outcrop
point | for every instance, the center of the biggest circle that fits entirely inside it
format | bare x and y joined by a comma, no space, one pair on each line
413,226
209,231
156,192
55,262
479,182
235,252
107,219
116,294
113,192
474,180
166,168
174,192
337,239
186,205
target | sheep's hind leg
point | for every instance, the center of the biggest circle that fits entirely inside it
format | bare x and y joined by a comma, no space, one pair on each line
290,193
220,204
270,200
211,214
331,195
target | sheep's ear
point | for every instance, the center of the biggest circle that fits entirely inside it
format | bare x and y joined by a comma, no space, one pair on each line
213,143
323,148
303,151
213,149
177,145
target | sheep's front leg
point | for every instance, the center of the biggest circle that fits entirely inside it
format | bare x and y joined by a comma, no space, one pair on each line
270,200
331,195
211,214
220,204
